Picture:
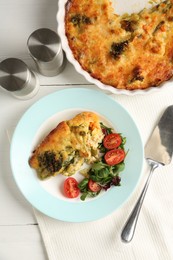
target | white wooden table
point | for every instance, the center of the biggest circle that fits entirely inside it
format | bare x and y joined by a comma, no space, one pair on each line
19,233
20,238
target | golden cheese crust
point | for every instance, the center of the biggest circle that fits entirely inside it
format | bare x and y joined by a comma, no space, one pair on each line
68,146
127,52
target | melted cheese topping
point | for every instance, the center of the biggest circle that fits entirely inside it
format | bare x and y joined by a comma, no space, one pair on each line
127,52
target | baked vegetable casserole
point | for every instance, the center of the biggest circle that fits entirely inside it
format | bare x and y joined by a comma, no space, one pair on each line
130,51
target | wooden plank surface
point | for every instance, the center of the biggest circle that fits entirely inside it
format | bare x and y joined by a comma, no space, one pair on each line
19,233
21,242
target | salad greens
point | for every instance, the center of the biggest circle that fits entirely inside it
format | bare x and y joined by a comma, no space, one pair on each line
101,173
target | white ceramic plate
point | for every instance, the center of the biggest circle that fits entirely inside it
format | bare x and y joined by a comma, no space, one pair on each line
121,6
47,196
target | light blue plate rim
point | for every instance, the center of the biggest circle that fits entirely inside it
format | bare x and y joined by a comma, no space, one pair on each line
24,134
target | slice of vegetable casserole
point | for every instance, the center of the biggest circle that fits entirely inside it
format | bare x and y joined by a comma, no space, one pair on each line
68,146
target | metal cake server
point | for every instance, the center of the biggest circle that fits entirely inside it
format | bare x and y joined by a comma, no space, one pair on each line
158,152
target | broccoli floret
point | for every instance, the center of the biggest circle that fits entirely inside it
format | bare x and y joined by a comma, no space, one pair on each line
118,48
48,161
78,19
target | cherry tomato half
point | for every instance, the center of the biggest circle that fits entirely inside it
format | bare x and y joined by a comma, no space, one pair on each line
94,186
112,141
114,157
71,189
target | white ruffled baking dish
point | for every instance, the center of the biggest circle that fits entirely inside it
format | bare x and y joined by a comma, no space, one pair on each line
134,6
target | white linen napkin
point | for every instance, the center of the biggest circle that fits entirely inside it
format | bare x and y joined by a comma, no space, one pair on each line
101,239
